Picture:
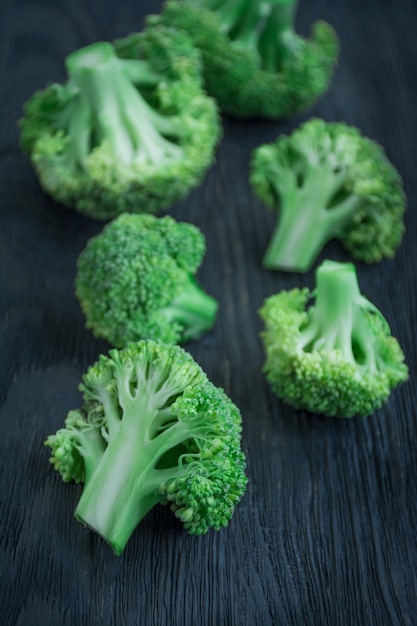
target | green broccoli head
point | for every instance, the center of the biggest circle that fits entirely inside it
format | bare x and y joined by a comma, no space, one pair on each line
254,62
131,130
327,181
136,280
330,351
153,430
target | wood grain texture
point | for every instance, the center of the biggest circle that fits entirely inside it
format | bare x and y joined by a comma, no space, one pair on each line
326,534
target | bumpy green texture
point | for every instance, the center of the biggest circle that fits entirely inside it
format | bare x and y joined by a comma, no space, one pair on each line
327,181
132,129
255,64
136,280
330,351
152,430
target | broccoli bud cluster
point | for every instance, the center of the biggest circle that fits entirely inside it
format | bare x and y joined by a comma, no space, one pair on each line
136,280
131,129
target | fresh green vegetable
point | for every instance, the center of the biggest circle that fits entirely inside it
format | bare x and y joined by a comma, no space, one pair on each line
131,134
330,351
327,181
255,64
136,280
153,430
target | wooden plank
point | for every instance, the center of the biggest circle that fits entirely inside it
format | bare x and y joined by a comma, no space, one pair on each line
326,531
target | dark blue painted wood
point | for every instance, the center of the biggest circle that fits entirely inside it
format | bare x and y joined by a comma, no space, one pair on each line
326,534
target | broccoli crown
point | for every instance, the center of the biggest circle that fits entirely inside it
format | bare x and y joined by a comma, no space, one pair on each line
153,429
327,181
132,129
254,62
331,351
136,280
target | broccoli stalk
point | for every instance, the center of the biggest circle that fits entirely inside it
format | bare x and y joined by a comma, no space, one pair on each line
339,318
193,309
125,484
311,214
265,27
278,40
111,109
240,19
153,430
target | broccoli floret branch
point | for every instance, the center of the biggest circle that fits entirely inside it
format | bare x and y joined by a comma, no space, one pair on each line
330,351
131,130
254,62
327,181
153,429
137,279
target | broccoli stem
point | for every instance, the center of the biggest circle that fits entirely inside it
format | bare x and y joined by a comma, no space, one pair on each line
193,309
267,27
240,19
278,39
139,72
331,319
93,447
339,319
246,27
309,217
119,115
125,483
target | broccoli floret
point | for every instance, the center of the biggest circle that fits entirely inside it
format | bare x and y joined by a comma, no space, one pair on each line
327,181
330,351
153,430
254,62
132,129
136,280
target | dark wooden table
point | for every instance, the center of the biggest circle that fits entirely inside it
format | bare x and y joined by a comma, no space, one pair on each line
326,534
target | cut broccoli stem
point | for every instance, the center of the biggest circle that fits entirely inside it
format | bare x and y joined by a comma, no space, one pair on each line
278,39
120,115
331,319
339,319
124,486
193,309
309,217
